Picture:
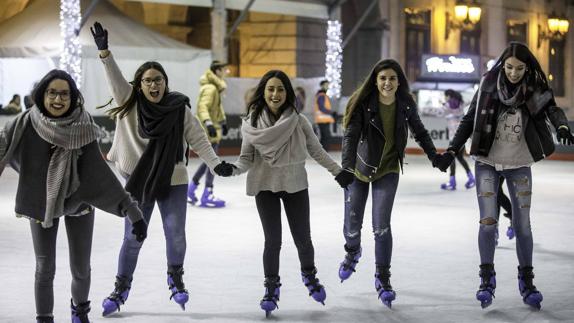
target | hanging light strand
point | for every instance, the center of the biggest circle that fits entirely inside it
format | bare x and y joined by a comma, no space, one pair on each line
334,58
70,58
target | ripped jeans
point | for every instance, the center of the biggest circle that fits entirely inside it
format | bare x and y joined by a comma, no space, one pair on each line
384,190
519,183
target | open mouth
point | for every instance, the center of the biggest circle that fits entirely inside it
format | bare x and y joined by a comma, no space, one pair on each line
275,101
56,106
154,94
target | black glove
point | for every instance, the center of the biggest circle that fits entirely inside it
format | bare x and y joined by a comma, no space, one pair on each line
139,230
564,136
211,130
443,161
224,129
100,36
345,178
224,169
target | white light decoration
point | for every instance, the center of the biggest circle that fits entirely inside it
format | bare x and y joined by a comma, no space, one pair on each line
454,65
334,58
70,58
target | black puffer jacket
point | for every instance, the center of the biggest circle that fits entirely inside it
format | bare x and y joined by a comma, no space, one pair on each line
363,141
540,108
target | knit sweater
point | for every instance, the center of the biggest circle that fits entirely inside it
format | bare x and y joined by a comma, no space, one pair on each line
128,145
290,178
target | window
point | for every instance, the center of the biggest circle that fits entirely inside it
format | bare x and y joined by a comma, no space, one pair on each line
556,66
470,41
417,40
516,31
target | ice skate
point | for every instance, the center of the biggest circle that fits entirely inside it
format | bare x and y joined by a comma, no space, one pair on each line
316,290
80,312
191,197
347,267
383,285
271,297
530,295
485,292
209,200
450,185
175,282
470,183
118,297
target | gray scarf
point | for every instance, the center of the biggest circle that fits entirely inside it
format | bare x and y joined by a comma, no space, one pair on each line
509,99
68,135
281,143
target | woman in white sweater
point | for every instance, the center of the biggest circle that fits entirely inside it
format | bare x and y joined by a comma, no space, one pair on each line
153,129
276,140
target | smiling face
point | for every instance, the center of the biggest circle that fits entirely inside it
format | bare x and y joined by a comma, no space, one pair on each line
153,85
57,97
275,94
387,84
514,69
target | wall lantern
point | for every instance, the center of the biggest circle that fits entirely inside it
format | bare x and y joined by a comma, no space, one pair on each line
557,29
466,16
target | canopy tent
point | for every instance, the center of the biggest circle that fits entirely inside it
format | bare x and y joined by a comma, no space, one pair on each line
30,44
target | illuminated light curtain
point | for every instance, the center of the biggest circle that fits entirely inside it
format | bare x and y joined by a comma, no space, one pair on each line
70,58
334,58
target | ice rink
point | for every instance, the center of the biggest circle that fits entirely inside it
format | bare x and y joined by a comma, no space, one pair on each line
434,268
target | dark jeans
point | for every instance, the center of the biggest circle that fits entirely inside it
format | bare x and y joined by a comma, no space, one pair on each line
325,134
173,212
80,231
204,169
519,183
297,210
384,190
462,161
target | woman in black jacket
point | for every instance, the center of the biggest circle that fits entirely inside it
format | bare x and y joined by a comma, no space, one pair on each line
54,147
507,119
376,123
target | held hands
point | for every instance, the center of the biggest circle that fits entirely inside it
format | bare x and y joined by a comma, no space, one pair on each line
443,161
100,36
140,230
224,129
211,130
224,169
345,178
564,135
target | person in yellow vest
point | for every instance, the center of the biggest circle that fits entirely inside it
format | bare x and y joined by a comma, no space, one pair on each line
212,117
323,114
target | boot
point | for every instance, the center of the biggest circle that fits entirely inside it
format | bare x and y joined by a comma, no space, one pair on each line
485,292
510,232
208,200
383,285
530,295
450,185
80,312
271,297
470,183
118,297
347,267
316,290
191,198
175,282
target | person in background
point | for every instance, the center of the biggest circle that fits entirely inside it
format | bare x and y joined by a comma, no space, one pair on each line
323,114
13,107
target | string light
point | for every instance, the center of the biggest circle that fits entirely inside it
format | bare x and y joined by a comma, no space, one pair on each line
334,58
70,58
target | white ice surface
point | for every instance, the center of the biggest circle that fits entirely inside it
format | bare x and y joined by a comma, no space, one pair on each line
434,268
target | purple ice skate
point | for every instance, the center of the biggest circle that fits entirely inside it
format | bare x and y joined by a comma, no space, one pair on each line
271,297
347,267
383,285
80,312
175,282
118,297
510,232
209,200
485,292
316,290
470,183
530,295
191,197
450,185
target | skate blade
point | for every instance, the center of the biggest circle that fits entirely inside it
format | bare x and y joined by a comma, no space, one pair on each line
267,314
182,307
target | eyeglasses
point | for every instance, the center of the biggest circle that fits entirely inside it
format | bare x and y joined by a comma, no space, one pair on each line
52,94
158,81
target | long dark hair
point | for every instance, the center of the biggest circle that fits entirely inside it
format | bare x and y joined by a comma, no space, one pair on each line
369,87
257,101
76,98
534,76
122,110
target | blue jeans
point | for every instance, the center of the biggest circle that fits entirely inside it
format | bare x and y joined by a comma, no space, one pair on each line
384,190
173,212
204,170
519,183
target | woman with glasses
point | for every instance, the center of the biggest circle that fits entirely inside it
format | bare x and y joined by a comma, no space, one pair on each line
153,128
54,147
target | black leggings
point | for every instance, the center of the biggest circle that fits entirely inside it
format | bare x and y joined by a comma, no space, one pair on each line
297,210
461,160
80,230
503,200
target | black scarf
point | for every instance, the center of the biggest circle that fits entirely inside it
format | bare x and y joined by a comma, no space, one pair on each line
162,124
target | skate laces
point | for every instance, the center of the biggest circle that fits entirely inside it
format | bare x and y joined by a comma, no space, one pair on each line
350,261
312,281
270,288
385,282
177,282
81,311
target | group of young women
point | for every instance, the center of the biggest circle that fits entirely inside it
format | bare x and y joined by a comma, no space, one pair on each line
54,148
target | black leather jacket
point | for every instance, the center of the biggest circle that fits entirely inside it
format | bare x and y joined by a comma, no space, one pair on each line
540,107
363,141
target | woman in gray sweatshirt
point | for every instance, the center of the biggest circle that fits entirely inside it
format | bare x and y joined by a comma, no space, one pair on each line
54,148
276,140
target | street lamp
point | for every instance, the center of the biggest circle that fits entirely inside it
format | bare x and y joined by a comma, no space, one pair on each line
557,29
466,16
